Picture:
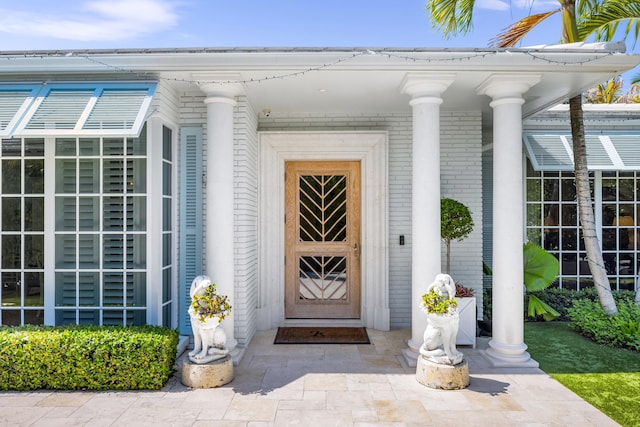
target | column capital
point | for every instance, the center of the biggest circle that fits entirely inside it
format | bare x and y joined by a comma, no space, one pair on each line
508,85
220,85
426,85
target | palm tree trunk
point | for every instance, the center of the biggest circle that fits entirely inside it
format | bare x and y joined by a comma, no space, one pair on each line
585,207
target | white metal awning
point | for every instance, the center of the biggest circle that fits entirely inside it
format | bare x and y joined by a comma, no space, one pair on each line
604,152
74,109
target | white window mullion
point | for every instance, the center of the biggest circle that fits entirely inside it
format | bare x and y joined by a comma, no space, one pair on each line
49,232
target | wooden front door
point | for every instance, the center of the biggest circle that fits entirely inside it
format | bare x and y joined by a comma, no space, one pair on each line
322,240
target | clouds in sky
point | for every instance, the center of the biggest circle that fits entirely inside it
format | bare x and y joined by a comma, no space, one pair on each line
95,20
518,5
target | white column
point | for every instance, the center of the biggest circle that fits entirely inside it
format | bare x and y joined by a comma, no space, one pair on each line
219,192
507,347
426,90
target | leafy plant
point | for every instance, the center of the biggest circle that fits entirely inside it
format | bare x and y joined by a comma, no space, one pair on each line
210,304
433,302
540,270
623,330
456,223
463,292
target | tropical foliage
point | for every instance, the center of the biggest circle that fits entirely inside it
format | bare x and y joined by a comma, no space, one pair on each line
540,270
610,92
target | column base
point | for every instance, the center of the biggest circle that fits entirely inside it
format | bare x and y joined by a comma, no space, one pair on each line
237,354
508,356
412,353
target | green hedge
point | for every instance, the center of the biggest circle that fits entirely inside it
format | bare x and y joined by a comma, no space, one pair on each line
623,330
86,357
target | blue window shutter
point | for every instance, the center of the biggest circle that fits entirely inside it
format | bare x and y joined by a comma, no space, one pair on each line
190,218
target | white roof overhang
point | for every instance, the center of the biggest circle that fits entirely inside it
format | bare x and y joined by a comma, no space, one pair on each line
74,109
612,151
341,80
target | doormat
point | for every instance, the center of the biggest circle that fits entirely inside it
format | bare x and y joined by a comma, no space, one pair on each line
316,335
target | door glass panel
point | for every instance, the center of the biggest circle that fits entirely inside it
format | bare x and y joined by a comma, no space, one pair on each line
323,208
323,278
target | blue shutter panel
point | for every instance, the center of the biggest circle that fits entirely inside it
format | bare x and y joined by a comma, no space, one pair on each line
190,218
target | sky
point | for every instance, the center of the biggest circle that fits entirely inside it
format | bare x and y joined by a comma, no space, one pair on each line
113,24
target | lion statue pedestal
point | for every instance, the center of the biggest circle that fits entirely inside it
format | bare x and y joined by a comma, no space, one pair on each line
209,363
207,375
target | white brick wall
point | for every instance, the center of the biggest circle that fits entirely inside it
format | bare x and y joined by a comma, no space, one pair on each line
246,220
461,169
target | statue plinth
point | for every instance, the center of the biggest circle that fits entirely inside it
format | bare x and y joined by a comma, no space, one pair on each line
207,375
440,376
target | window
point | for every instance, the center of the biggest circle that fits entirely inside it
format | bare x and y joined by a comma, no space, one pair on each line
100,230
22,208
552,221
167,227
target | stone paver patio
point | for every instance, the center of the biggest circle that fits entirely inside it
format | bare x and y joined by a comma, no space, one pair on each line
319,385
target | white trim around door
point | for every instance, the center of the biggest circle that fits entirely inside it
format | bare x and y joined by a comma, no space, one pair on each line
370,148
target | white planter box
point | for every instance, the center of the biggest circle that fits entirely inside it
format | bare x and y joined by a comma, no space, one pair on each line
467,329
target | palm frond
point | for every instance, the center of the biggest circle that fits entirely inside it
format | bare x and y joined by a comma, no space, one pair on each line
452,17
511,35
603,20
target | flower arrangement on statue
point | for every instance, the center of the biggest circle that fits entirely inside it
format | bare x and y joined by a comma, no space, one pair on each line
209,304
434,302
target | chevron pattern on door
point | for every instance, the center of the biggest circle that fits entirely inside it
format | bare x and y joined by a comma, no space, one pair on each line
322,240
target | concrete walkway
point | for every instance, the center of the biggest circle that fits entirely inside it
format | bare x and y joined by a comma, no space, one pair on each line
319,385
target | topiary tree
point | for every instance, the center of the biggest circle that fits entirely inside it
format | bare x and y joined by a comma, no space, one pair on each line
456,223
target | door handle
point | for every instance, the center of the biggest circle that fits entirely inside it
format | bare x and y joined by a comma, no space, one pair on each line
356,250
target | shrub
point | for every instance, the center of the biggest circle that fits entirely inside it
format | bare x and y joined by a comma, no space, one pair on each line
623,330
562,299
86,357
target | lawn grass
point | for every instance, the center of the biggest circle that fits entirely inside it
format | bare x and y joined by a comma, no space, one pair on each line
607,378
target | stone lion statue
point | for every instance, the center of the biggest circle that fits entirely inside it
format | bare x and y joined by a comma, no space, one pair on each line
440,335
209,341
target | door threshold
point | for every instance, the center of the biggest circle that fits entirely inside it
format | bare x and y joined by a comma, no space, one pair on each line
323,322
